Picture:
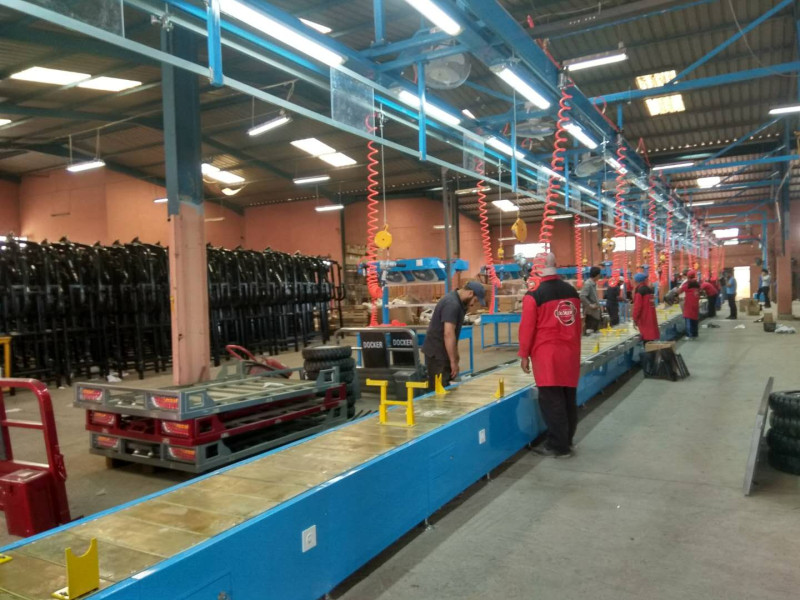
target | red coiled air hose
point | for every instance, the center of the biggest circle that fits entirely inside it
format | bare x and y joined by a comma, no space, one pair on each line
578,252
373,286
486,240
622,159
553,184
669,244
652,220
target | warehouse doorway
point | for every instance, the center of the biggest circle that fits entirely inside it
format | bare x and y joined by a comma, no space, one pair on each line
742,276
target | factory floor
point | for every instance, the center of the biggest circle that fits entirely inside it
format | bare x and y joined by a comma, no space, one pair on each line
651,505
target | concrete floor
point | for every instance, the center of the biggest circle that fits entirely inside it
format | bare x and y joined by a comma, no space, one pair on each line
651,506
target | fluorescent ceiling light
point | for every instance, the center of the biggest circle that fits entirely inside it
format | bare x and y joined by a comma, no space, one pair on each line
214,219
436,15
596,60
468,113
664,105
4,122
475,190
53,76
313,146
438,226
586,225
329,207
109,84
217,174
86,166
430,109
338,159
231,191
313,179
507,239
321,28
702,203
708,182
500,145
160,201
562,217
731,243
516,82
579,134
678,165
782,110
726,233
505,205
280,32
615,164
267,125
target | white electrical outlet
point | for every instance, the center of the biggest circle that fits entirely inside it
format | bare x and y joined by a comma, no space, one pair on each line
482,436
309,538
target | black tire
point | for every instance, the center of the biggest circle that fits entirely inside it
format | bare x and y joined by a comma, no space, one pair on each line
784,462
786,404
344,376
788,426
344,364
327,353
782,443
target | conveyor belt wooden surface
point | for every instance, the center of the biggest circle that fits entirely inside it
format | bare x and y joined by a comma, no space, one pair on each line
135,537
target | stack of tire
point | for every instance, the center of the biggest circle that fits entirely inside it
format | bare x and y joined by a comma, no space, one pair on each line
783,437
326,357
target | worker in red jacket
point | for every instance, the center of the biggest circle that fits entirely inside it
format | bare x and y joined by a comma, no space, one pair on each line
691,304
550,339
711,292
644,309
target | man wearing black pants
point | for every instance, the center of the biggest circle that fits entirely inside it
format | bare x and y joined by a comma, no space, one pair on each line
730,294
550,339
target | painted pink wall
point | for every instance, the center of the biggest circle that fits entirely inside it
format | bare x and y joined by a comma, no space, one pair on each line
9,207
106,206
294,227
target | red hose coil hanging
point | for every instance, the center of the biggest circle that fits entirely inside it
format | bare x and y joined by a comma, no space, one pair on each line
669,245
486,239
622,159
653,209
553,184
578,252
372,225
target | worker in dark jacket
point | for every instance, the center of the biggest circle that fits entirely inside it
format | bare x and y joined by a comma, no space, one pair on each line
644,309
691,304
550,339
711,293
612,297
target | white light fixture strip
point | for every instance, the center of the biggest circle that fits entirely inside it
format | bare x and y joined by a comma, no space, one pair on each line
500,145
217,174
783,110
523,88
679,165
312,179
323,29
267,125
313,146
431,110
596,60
86,166
579,134
436,15
329,207
279,31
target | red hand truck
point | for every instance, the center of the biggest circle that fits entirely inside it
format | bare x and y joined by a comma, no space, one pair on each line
33,495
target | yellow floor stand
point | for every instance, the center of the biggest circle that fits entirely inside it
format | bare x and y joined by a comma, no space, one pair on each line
83,573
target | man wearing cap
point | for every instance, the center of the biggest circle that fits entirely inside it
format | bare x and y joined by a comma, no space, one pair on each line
441,341
691,304
590,301
550,340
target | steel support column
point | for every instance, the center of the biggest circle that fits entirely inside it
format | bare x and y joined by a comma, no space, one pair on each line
187,256
448,213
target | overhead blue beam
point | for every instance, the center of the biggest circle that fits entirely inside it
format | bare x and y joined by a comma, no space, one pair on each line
739,34
740,141
696,84
425,56
431,39
378,18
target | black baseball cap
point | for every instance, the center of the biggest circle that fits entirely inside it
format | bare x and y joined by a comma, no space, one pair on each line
477,288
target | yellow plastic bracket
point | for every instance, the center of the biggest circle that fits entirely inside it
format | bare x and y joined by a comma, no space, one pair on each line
384,385
83,573
501,389
4,558
410,387
597,346
440,391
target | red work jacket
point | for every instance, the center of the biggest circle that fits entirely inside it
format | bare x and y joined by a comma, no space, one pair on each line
550,333
709,288
691,301
644,313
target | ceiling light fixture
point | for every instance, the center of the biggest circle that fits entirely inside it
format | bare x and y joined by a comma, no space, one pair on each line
470,191
329,207
313,146
337,159
438,226
596,60
579,134
558,217
218,174
616,165
500,145
702,203
468,113
267,125
586,225
505,205
109,84
160,201
708,182
231,191
52,76
663,104
4,122
323,29
678,165
431,110
280,32
436,15
521,86
86,165
782,110
311,179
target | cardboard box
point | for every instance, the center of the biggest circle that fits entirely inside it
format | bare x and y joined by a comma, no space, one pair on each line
753,307
743,303
653,346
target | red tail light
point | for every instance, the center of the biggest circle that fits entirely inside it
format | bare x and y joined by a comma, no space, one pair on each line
184,454
173,428
91,395
107,442
101,418
165,402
